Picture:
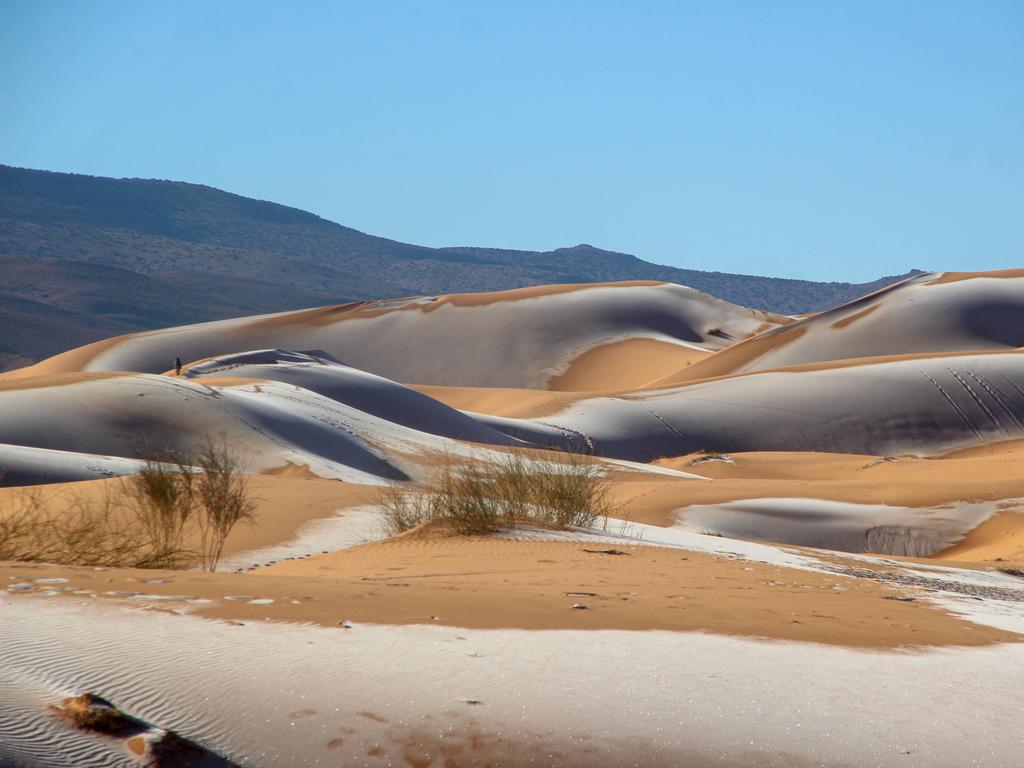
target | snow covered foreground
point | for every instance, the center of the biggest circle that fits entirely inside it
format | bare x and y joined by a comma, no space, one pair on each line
267,694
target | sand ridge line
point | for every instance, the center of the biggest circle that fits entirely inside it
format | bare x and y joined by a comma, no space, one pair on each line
850,319
328,315
910,317
823,365
39,380
74,360
726,362
399,340
956,277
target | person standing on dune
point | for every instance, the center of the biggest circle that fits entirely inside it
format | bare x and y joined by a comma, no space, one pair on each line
177,366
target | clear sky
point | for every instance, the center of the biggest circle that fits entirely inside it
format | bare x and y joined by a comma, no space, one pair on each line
830,140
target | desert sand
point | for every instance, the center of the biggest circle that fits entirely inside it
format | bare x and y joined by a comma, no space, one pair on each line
812,520
933,312
449,340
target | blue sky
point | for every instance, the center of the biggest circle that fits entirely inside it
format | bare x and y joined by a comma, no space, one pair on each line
829,140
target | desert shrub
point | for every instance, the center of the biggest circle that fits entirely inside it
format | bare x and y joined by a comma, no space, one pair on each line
476,496
172,513
200,497
402,511
162,497
221,500
17,539
69,529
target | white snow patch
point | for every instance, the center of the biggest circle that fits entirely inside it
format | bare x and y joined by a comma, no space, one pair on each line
660,698
839,525
350,527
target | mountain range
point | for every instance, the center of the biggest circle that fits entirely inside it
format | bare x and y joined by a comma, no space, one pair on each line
86,257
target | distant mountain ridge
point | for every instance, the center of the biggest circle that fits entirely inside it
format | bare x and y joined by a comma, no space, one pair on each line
87,257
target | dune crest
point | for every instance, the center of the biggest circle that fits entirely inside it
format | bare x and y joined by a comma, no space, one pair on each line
450,340
930,313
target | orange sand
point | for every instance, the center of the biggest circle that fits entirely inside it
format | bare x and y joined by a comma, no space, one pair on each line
851,319
730,359
284,503
909,482
502,401
955,277
1000,539
319,316
625,365
488,583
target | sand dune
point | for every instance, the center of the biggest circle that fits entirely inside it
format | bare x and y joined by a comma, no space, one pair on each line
845,483
502,401
267,424
24,465
624,365
929,313
364,391
835,501
451,340
840,525
362,429
920,406
283,408
851,502
454,621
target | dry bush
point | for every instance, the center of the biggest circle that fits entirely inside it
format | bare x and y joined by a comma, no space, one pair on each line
205,494
402,510
151,521
162,498
19,530
222,493
476,496
65,528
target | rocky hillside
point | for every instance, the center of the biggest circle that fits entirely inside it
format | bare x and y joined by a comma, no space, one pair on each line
85,257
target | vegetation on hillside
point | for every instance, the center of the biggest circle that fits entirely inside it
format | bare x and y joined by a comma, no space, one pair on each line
133,254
